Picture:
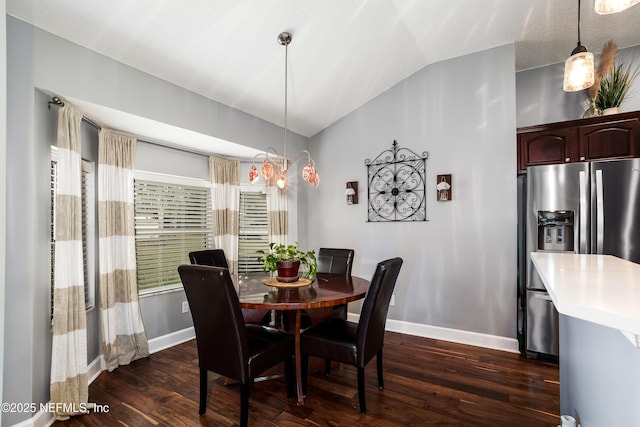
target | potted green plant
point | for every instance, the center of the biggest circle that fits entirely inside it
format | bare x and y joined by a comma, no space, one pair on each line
286,260
615,86
612,81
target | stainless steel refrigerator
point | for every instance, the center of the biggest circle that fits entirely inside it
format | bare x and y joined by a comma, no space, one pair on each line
588,208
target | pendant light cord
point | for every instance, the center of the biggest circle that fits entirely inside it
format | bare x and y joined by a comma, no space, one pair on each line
579,8
286,51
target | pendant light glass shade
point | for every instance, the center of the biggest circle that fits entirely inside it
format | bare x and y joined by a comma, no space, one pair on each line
281,182
606,7
578,70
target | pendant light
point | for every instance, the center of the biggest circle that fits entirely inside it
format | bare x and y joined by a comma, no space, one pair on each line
578,68
606,7
277,164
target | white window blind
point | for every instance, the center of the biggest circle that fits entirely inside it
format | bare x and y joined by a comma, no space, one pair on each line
88,232
171,220
88,228
254,231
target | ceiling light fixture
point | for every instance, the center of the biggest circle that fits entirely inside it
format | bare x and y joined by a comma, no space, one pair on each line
281,164
578,68
606,7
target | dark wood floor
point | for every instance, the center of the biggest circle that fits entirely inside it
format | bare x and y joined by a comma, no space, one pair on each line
427,382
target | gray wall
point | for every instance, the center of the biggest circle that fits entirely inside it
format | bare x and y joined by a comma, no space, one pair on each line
3,182
540,98
155,158
28,260
37,61
26,331
460,266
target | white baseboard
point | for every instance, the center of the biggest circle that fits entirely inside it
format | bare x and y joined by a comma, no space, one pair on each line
45,419
97,366
169,340
454,335
39,419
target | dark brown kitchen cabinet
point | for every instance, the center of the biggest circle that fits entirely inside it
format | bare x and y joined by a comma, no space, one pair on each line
596,138
547,147
606,140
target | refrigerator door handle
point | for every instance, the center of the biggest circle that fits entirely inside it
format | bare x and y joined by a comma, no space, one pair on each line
583,206
599,213
545,297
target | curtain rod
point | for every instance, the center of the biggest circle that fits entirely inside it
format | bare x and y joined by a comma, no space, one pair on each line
55,100
58,103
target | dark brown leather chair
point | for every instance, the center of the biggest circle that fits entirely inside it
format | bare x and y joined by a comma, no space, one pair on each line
226,345
217,258
355,343
336,261
212,257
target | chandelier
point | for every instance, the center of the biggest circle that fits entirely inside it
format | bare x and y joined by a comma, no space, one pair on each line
273,163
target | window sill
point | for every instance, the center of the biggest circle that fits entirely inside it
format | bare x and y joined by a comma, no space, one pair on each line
159,291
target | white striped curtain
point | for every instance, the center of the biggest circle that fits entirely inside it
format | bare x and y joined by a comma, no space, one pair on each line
278,212
69,386
123,335
225,180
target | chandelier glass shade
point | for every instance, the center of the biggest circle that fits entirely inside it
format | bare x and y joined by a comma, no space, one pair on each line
274,164
579,70
606,7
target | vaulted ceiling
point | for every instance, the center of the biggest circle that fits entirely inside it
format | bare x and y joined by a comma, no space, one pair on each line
343,53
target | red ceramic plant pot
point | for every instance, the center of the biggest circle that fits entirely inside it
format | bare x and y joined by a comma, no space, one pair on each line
288,271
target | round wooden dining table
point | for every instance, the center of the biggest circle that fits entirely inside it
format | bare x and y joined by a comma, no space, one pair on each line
327,290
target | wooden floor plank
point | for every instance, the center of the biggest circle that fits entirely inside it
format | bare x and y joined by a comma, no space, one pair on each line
427,383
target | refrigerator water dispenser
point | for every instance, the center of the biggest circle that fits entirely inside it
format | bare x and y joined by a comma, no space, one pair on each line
555,231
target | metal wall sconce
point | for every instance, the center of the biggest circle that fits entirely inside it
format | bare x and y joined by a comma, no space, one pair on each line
352,192
443,188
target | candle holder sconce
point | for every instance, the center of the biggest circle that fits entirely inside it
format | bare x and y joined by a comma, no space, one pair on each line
443,188
352,192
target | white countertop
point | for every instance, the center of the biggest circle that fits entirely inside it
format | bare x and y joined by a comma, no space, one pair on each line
601,289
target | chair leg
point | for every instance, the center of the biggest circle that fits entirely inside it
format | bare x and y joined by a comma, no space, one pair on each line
363,405
379,363
203,391
304,370
244,405
327,367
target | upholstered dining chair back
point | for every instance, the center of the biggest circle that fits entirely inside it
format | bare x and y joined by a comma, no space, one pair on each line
356,343
212,257
217,319
337,261
373,316
226,345
217,258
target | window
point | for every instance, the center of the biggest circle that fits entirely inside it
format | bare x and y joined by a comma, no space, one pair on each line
254,231
88,228
172,218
